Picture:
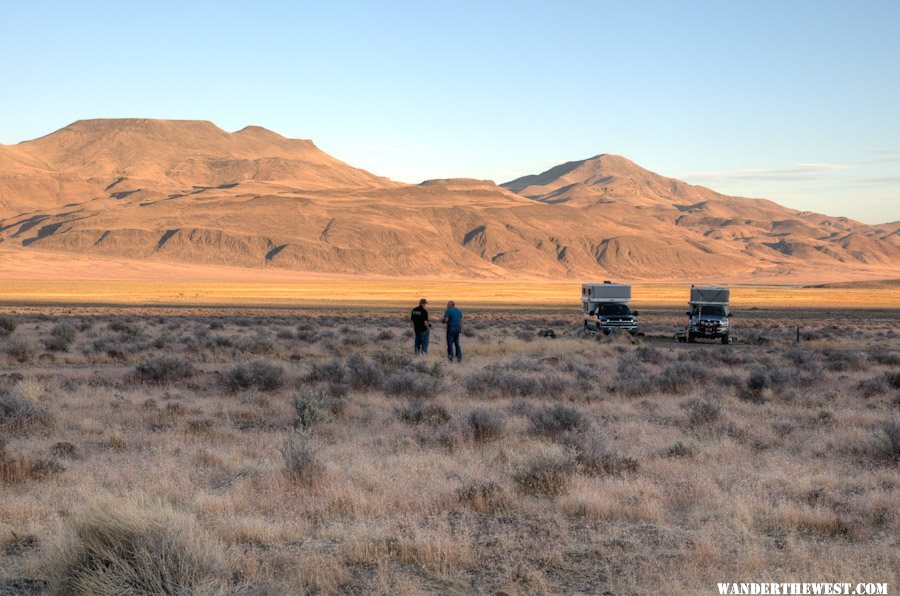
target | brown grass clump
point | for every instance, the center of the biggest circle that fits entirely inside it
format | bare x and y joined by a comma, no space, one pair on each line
301,459
484,425
483,496
887,444
61,337
164,369
544,475
412,383
259,374
18,414
438,551
515,379
128,549
875,386
594,459
680,377
13,468
330,371
363,373
64,450
423,412
7,325
704,411
679,449
555,419
117,441
20,349
18,468
893,379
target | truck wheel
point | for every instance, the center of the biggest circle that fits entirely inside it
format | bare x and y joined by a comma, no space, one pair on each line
691,339
726,340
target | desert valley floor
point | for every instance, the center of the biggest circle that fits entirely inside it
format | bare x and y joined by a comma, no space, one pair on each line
306,450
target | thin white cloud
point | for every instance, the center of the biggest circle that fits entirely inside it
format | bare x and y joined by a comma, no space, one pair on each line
798,172
883,180
883,155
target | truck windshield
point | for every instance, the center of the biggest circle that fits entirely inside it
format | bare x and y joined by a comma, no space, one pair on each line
712,310
612,309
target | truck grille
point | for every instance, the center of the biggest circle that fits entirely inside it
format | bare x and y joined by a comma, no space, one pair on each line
618,323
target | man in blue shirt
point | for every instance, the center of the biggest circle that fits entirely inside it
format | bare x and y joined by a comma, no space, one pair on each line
453,317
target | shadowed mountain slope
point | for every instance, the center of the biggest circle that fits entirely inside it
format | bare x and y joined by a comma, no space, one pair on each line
189,192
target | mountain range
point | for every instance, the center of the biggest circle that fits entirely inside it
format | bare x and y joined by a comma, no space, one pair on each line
171,191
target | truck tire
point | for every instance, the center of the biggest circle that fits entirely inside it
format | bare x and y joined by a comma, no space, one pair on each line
690,338
726,340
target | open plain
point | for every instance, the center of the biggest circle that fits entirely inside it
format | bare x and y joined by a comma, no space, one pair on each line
248,290
290,450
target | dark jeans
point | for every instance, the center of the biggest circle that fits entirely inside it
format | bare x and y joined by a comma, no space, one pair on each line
422,342
453,340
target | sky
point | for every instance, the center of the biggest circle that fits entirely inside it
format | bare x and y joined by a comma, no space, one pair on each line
794,101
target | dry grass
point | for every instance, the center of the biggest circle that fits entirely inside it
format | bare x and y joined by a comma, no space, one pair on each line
270,452
136,549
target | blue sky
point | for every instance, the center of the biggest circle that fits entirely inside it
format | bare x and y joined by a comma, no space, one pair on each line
794,101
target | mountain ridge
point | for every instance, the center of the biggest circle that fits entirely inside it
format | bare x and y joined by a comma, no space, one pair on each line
190,192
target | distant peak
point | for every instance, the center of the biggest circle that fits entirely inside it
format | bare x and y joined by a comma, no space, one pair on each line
611,157
258,131
593,170
261,133
609,160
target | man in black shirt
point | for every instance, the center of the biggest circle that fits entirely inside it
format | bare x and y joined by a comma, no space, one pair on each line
421,327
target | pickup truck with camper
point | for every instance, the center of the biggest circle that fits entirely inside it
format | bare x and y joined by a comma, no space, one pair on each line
605,308
708,315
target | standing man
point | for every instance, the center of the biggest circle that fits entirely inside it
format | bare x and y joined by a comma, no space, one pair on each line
421,327
453,317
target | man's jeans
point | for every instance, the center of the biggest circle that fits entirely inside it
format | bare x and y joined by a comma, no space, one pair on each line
422,342
453,340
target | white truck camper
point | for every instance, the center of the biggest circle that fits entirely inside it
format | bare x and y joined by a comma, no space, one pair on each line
709,315
605,307
710,295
